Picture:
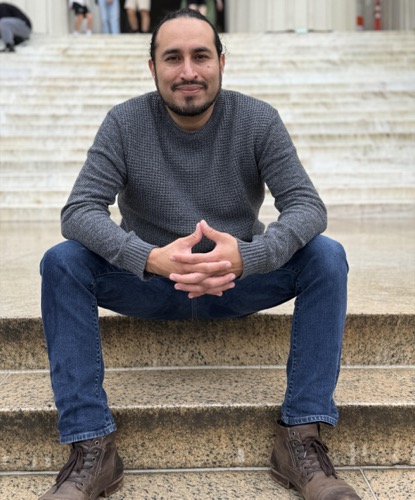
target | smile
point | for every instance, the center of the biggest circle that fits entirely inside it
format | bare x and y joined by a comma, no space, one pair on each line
189,88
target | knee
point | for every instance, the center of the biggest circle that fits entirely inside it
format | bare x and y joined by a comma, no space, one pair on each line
328,257
57,259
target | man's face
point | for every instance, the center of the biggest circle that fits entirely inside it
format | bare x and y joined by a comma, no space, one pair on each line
187,70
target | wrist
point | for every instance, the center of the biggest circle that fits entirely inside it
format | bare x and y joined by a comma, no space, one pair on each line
152,259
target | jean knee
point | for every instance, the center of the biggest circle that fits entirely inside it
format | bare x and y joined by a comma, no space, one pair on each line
329,256
60,257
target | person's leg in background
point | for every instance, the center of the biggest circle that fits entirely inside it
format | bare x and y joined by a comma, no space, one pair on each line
131,9
78,23
144,8
114,16
11,27
89,22
104,14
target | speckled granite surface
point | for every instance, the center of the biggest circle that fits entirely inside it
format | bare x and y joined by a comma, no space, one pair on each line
223,485
211,418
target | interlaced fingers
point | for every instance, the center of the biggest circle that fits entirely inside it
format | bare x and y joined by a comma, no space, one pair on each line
80,459
314,451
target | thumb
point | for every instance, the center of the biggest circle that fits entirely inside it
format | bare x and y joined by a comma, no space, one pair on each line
209,232
195,237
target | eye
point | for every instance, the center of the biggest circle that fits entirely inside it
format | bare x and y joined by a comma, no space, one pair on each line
201,57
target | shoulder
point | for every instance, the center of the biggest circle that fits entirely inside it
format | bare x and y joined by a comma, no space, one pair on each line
135,107
242,103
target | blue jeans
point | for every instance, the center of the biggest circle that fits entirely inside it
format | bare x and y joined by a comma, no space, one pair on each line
110,16
75,281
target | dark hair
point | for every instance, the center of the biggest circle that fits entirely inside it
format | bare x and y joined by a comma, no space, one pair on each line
184,13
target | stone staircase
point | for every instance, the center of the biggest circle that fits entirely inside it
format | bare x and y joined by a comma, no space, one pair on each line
346,98
195,402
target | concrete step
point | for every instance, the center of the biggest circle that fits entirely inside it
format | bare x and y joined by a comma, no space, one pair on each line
350,194
260,340
324,140
63,178
228,412
219,484
342,211
21,136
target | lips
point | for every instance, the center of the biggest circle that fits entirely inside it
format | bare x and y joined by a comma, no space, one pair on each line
189,87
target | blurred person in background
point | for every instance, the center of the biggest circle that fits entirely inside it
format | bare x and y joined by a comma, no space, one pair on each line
81,12
143,7
15,26
109,11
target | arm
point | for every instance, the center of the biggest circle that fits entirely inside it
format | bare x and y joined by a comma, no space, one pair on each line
302,214
86,217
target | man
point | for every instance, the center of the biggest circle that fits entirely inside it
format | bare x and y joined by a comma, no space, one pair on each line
188,164
15,26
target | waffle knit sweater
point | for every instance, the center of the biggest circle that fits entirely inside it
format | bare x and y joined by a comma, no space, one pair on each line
168,179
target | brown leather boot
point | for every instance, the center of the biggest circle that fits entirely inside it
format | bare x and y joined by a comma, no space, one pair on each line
94,469
300,459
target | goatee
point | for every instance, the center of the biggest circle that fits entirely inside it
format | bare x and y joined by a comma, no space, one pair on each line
189,108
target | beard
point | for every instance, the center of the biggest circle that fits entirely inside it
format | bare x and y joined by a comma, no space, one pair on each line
189,108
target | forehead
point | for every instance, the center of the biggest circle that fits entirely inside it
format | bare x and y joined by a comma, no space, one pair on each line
184,34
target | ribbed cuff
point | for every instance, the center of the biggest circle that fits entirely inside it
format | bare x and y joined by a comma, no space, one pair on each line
134,256
254,257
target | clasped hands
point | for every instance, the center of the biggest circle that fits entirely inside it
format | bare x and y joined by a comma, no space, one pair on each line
198,274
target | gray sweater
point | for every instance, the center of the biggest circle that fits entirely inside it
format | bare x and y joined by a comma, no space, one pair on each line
168,179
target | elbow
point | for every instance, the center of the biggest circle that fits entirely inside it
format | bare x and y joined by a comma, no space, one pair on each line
323,217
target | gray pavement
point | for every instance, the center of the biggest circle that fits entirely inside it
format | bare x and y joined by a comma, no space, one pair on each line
381,256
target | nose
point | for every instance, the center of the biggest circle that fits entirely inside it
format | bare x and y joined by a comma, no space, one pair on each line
188,69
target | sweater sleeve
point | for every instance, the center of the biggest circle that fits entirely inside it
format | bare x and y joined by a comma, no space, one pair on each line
86,216
302,213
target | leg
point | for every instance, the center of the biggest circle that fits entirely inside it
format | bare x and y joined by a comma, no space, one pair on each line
78,22
145,20
132,19
103,12
320,271
203,9
144,7
89,21
11,27
114,17
317,276
75,282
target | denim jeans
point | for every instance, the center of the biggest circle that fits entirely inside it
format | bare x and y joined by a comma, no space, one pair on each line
110,16
75,281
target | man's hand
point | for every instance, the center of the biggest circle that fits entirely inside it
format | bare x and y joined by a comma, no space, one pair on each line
199,273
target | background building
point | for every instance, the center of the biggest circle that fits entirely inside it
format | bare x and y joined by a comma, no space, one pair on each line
53,16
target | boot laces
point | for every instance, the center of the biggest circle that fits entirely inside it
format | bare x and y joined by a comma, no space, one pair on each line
81,460
312,454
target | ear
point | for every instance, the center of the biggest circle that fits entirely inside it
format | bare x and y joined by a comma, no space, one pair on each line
152,68
222,63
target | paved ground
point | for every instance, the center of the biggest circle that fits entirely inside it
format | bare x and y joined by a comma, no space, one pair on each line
380,253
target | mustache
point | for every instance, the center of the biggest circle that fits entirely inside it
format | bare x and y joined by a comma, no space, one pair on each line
188,82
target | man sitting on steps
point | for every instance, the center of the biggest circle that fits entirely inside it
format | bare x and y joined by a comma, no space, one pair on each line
189,164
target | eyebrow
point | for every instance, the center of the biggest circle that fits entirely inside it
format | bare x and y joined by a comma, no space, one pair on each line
179,51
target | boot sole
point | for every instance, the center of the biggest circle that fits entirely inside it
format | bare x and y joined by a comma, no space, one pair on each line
112,488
